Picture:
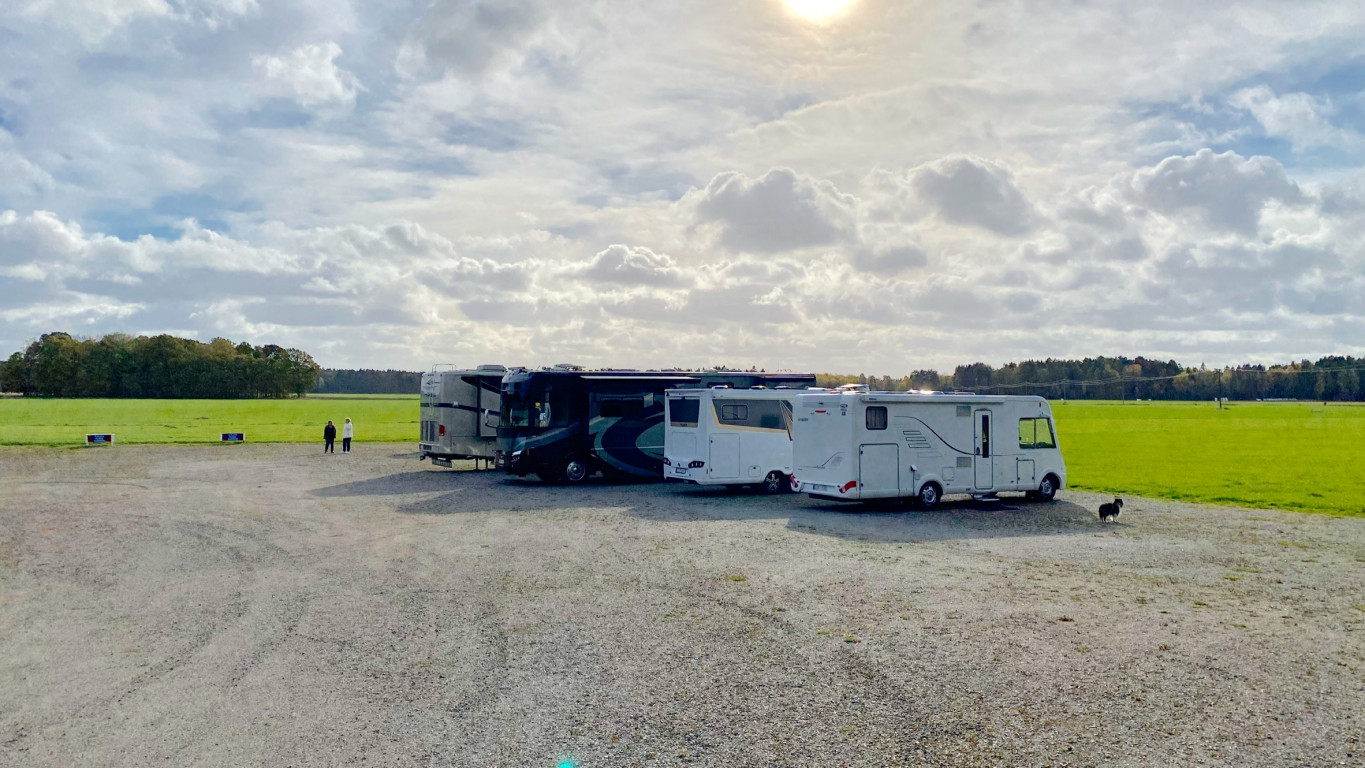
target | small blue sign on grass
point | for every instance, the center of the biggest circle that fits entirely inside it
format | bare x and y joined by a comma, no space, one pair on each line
234,437
99,439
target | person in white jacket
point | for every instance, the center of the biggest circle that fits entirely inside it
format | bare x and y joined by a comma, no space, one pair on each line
347,432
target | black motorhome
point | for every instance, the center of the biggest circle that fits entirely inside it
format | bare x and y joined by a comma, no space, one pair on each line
564,424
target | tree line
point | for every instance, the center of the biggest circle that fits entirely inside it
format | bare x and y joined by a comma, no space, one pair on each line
1121,378
368,382
119,365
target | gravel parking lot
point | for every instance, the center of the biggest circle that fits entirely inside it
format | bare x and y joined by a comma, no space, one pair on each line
269,605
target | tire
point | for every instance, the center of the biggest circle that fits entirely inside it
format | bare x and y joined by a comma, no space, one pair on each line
775,483
575,471
1047,490
930,494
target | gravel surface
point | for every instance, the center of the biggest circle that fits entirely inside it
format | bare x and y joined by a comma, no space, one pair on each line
269,605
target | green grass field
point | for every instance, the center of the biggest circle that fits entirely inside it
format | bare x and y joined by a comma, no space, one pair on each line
378,419
1304,456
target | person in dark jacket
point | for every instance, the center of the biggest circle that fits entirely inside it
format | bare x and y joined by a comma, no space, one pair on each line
329,438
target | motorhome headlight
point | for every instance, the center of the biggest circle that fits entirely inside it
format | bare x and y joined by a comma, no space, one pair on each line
668,462
515,454
696,464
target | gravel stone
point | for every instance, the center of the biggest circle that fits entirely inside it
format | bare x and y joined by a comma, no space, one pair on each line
271,605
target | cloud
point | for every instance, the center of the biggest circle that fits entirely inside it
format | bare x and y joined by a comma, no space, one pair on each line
93,21
889,260
310,75
630,265
1301,119
779,211
804,203
1226,192
973,192
470,37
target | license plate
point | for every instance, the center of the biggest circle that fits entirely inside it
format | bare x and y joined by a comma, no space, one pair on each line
818,488
680,470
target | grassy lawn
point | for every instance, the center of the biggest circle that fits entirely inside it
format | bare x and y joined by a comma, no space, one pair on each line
339,396
1303,456
29,421
1306,456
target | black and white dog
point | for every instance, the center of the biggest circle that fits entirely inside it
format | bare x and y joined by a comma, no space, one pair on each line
1110,512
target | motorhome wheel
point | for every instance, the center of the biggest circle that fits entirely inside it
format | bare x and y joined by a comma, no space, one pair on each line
575,471
775,483
1048,488
929,496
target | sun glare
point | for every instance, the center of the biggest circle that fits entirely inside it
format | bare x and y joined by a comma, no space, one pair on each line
818,9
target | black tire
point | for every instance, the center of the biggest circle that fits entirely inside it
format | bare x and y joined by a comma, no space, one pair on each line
930,494
1047,490
575,471
775,483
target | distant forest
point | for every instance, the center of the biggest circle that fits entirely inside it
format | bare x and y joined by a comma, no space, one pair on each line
368,382
119,365
1121,378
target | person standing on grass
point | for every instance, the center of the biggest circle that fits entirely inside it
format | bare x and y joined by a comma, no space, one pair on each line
329,438
347,432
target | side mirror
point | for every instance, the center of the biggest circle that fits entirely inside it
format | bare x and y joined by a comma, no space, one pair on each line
491,419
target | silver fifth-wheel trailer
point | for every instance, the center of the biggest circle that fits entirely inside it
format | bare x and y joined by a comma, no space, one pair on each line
863,446
455,414
734,437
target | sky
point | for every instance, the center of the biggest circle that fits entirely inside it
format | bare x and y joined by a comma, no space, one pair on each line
897,185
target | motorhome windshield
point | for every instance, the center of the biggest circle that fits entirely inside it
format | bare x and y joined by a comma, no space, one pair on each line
536,411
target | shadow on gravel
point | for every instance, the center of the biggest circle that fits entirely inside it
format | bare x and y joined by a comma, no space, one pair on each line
1010,517
392,485
469,491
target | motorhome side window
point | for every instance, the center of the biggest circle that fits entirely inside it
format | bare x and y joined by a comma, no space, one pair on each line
621,408
683,412
876,417
553,411
734,413
1036,433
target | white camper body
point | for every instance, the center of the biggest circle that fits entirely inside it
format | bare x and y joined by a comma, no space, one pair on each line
862,446
454,413
723,436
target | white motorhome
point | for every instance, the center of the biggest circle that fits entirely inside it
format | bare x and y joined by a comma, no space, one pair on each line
724,436
861,446
455,414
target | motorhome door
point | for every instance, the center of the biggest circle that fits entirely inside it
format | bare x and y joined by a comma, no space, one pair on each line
983,462
879,469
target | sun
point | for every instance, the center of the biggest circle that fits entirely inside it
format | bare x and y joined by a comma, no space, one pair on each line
817,9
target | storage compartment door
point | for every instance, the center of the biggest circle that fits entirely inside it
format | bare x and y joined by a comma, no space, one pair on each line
724,456
879,469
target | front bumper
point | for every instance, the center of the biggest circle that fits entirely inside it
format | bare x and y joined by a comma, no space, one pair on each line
514,462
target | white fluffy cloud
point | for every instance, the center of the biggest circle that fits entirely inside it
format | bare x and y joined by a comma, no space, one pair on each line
310,75
975,192
779,211
1301,119
627,265
685,183
1223,191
